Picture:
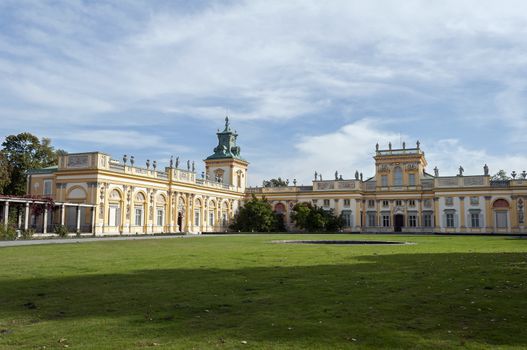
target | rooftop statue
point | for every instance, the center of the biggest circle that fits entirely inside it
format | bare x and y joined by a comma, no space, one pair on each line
461,170
436,172
485,169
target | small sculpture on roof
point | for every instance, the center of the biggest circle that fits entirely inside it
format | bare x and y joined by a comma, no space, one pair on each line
418,144
336,175
436,172
356,174
461,170
486,170
171,161
316,175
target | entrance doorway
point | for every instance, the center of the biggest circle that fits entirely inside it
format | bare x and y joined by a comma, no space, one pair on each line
398,222
180,221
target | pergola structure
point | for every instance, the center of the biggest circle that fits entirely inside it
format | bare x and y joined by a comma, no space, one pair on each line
76,217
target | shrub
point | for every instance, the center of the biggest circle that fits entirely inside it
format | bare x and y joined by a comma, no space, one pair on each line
27,234
8,233
61,230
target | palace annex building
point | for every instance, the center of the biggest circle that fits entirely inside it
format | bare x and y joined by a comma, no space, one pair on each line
96,194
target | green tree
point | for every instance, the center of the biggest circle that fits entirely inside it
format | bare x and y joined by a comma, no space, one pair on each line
316,219
275,183
500,175
23,152
4,172
255,216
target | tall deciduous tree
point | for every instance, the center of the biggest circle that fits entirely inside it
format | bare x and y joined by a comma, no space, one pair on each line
23,152
313,219
256,215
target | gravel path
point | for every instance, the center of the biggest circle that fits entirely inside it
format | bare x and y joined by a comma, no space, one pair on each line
94,239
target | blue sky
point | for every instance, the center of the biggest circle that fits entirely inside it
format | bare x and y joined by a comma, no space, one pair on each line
309,85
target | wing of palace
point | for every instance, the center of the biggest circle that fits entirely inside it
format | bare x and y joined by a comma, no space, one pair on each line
93,193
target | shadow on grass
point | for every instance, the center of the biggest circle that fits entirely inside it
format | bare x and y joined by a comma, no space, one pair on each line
405,300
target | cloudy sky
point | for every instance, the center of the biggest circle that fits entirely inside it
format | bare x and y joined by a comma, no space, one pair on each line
309,85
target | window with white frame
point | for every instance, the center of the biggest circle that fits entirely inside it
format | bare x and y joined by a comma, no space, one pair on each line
160,216
427,220
371,220
138,216
384,180
347,202
211,218
114,215
386,220
474,200
47,187
196,217
412,220
397,176
346,216
450,220
385,203
398,202
411,179
449,201
411,202
326,202
474,219
371,203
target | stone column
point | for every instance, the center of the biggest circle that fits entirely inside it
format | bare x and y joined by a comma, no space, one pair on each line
45,225
363,214
93,219
514,213
462,214
488,214
377,213
6,214
62,214
168,213
26,217
78,217
419,222
357,214
437,215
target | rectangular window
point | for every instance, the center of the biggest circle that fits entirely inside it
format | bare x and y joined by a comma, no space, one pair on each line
47,187
411,202
196,217
427,220
346,202
114,216
501,219
386,220
384,180
371,220
412,220
474,200
346,215
138,216
315,201
450,220
371,203
385,203
474,219
160,217
326,202
449,201
211,218
411,179
399,202
427,203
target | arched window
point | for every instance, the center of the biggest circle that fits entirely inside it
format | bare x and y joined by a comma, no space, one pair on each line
397,176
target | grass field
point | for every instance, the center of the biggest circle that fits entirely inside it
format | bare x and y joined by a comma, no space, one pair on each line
243,292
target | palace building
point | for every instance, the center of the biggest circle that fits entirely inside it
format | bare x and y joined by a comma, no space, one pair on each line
403,197
96,194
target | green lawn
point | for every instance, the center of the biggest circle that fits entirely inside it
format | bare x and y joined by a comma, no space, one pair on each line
244,292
